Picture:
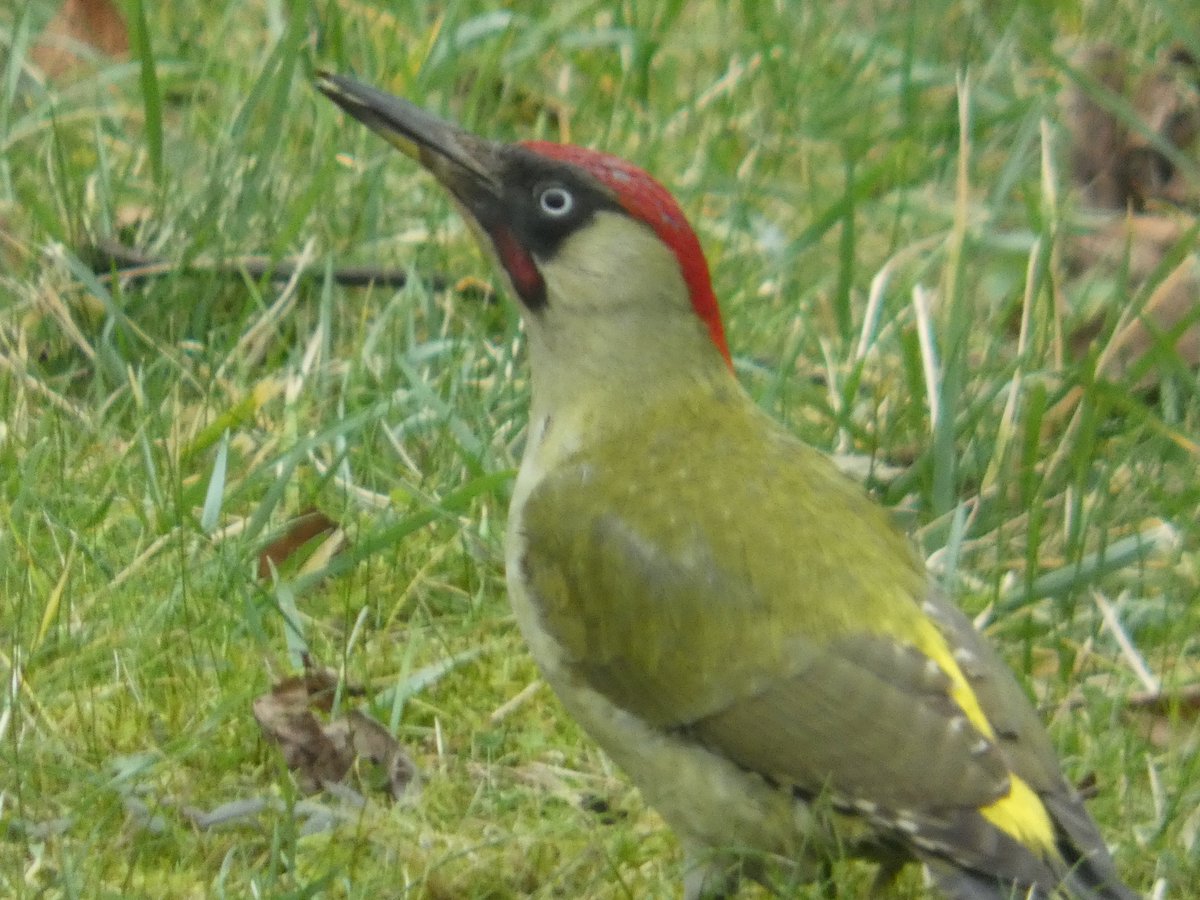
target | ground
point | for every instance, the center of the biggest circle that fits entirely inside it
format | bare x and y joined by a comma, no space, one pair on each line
886,204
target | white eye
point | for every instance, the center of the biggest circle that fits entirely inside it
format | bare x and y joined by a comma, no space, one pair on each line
556,201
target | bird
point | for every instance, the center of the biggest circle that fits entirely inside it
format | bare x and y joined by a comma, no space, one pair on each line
742,629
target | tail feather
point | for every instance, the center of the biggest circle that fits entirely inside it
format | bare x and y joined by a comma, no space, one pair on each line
1083,883
962,884
1092,874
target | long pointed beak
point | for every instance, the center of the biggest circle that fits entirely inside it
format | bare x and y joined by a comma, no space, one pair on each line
466,164
471,168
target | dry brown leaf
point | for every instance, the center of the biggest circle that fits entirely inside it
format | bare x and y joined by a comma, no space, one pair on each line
285,718
374,743
1172,303
1136,244
93,23
323,755
1097,137
308,525
1140,243
1117,167
1168,101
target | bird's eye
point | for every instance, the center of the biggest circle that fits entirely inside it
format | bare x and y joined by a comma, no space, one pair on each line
556,201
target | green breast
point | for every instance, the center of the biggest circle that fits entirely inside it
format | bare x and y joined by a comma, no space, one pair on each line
698,552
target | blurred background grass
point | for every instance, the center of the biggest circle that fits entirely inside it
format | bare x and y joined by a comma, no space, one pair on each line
157,434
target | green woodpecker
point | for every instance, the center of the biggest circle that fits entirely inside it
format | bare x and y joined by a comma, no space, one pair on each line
736,623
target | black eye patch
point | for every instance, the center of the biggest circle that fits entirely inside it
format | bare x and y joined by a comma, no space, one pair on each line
548,201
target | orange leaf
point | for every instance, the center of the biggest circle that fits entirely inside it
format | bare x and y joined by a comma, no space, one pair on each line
80,23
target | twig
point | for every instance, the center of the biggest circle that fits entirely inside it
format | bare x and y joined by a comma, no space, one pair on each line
130,264
1187,696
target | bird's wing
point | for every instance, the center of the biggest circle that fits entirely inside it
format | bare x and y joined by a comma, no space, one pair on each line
792,697
1027,748
859,718
824,703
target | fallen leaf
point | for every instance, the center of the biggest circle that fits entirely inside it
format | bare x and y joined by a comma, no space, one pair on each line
374,743
1118,167
321,756
285,717
1136,244
1173,303
1168,101
97,24
307,526
1097,137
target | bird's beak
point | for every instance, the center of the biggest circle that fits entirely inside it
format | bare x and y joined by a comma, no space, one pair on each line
467,165
471,168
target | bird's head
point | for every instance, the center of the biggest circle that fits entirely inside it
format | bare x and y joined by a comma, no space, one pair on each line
599,254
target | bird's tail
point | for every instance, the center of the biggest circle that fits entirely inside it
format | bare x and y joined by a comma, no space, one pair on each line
956,883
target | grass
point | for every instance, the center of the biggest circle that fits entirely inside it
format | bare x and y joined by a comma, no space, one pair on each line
155,436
